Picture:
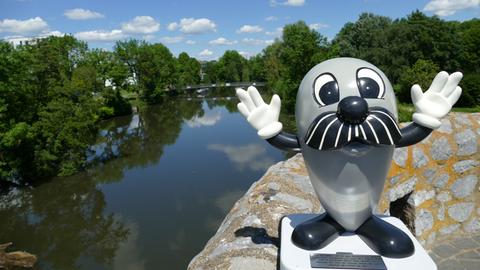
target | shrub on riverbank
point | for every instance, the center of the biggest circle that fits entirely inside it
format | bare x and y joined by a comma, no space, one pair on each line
52,94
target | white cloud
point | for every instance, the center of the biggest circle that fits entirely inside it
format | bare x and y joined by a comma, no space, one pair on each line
293,3
252,41
450,7
172,26
190,42
148,37
206,120
100,35
317,26
141,25
197,26
250,29
222,41
82,14
16,40
205,52
245,54
33,25
171,40
276,33
271,18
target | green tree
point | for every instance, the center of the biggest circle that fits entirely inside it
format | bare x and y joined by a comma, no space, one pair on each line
470,91
257,69
211,72
290,59
421,37
365,39
300,44
129,52
188,70
155,71
470,36
422,73
231,67
49,111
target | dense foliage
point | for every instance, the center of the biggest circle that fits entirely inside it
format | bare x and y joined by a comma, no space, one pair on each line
54,91
409,50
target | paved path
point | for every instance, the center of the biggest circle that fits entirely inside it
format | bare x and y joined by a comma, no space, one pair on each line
460,253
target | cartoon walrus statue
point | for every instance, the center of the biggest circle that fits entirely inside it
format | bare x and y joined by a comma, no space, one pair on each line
346,115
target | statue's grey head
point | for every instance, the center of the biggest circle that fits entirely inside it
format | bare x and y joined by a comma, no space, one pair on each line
345,100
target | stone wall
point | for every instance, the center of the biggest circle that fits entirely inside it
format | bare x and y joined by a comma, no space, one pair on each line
438,180
432,186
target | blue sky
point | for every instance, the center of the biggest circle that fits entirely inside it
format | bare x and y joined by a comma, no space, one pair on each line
204,29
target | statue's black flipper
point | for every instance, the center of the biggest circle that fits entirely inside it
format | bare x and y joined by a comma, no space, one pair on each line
385,239
286,142
316,233
412,134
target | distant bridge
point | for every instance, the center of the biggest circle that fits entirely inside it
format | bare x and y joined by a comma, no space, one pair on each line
215,85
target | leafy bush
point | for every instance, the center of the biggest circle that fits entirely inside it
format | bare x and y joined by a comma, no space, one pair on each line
470,91
116,104
422,73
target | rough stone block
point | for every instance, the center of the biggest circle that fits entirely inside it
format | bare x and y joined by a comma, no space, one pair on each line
441,149
423,221
460,211
449,229
421,196
465,165
402,189
467,142
473,226
419,158
463,187
441,180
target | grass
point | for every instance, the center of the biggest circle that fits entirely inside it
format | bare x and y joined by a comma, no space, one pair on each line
405,111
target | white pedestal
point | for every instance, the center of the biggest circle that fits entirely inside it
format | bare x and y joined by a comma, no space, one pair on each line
292,257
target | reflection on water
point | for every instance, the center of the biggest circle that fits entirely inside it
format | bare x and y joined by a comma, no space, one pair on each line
61,222
252,156
162,182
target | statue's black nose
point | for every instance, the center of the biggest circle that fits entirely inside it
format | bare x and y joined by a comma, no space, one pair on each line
352,110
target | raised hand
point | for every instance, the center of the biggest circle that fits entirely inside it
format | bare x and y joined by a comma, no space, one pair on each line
437,101
263,117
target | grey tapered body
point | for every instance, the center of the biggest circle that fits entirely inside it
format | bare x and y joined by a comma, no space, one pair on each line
348,180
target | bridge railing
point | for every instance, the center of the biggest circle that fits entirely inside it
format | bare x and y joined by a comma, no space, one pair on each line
226,84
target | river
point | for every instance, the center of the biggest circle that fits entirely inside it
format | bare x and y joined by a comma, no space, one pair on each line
162,181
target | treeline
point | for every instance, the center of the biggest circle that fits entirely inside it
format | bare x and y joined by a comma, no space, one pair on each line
54,91
409,50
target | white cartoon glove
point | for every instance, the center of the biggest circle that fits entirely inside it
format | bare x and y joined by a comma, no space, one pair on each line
437,101
263,117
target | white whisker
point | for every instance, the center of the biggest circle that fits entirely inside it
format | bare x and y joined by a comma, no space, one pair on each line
338,134
356,130
385,127
373,131
363,132
316,126
349,132
391,119
325,133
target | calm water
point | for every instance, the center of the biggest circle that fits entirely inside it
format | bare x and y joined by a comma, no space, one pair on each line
165,179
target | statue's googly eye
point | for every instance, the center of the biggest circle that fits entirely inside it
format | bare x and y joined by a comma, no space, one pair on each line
370,84
325,89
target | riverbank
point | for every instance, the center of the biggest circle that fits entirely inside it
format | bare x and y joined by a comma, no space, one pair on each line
432,187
